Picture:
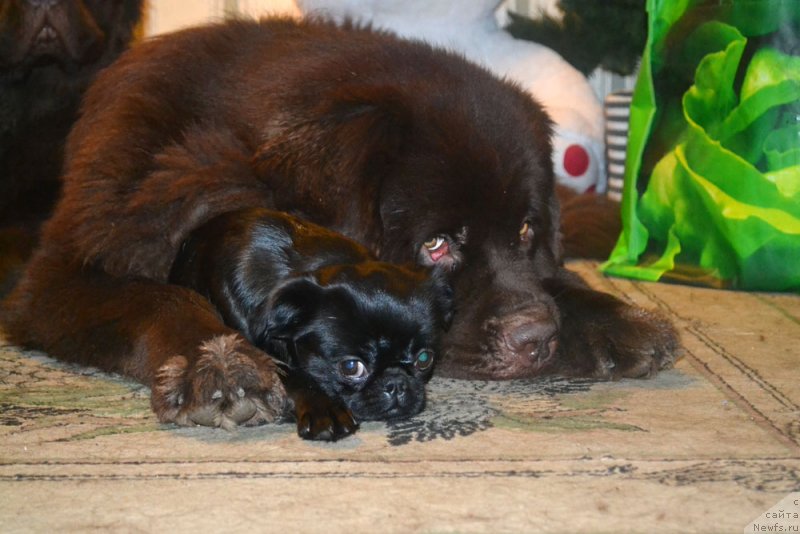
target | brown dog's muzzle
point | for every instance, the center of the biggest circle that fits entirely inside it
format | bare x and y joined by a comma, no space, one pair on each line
524,341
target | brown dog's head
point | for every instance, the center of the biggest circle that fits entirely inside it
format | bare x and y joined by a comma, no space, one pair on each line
455,171
477,198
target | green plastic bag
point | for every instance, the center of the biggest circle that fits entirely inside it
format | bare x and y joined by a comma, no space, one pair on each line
712,183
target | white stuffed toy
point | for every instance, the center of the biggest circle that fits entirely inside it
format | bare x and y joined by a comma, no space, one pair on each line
471,28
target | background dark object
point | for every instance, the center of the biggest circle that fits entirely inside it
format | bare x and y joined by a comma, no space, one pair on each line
592,33
49,53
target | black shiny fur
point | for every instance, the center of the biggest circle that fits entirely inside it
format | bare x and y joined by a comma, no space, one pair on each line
315,300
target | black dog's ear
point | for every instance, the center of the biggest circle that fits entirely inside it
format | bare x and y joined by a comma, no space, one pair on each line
291,306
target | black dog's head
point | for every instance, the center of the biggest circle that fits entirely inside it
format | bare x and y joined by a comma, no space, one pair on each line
66,32
365,333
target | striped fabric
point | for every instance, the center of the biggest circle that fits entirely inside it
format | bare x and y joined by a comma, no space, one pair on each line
617,112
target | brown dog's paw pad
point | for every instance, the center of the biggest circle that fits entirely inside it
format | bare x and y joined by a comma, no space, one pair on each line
231,383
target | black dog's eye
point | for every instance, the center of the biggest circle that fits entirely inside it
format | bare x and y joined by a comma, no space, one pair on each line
353,368
424,360
526,232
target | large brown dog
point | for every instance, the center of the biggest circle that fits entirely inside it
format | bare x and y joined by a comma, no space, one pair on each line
410,150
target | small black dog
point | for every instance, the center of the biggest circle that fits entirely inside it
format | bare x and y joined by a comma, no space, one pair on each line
358,336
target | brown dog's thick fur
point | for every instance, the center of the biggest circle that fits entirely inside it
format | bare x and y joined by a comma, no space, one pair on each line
412,151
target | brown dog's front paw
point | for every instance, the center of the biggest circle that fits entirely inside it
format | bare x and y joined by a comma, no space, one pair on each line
639,345
605,338
230,383
321,418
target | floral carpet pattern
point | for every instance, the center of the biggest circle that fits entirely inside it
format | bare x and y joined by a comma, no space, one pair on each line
705,447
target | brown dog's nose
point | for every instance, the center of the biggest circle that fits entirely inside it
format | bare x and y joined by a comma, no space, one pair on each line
530,336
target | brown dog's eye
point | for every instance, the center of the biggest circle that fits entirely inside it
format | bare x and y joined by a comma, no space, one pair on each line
353,368
424,360
526,232
441,251
437,247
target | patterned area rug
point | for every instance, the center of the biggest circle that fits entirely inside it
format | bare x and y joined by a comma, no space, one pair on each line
707,447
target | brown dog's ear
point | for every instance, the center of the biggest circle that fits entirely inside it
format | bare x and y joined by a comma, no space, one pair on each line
341,144
339,134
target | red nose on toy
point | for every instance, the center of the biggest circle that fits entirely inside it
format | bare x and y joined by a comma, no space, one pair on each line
576,160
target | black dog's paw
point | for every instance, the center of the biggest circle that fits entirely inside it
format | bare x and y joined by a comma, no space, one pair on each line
603,337
230,383
321,418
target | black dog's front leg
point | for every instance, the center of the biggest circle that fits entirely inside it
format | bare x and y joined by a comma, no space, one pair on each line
604,337
319,417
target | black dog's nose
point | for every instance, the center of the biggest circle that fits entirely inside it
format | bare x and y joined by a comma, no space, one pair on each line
530,335
396,387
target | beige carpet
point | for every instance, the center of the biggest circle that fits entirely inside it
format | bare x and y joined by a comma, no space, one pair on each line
707,447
